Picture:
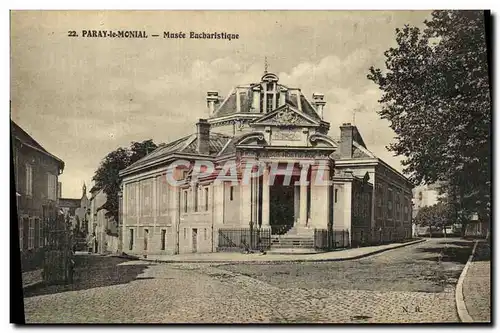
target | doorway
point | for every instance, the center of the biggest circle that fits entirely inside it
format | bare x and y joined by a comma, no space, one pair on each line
195,240
146,238
281,205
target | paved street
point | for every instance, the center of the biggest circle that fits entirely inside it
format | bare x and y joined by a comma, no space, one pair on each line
410,284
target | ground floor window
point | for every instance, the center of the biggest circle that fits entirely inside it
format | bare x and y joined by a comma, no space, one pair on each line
31,234
41,239
131,239
146,239
21,234
163,239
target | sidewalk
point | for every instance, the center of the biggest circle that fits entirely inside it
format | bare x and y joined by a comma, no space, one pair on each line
477,284
222,257
32,277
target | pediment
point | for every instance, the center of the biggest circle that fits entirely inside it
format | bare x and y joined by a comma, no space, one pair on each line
286,116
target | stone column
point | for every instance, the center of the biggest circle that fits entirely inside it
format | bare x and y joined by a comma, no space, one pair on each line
348,208
296,204
255,202
245,199
303,195
320,195
265,198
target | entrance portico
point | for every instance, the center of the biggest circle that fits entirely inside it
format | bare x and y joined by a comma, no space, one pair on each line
289,194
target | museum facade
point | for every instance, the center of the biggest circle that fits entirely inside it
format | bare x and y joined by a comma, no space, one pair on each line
301,179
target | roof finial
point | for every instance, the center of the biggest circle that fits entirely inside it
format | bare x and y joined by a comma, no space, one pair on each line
266,65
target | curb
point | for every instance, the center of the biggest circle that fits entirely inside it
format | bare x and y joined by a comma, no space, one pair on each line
32,285
280,260
463,314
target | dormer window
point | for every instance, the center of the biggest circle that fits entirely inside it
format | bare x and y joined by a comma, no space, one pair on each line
269,102
269,97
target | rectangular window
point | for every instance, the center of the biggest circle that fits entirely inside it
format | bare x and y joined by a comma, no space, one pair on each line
163,195
205,233
163,238
131,240
206,198
132,197
29,180
51,186
185,233
31,234
185,201
21,230
231,190
269,102
146,239
336,193
41,242
195,197
145,198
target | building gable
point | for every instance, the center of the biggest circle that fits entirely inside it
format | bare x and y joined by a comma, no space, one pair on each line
285,116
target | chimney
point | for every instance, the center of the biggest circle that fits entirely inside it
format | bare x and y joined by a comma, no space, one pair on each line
346,138
212,101
282,98
319,103
203,136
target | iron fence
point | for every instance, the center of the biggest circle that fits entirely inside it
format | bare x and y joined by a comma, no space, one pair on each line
325,239
237,239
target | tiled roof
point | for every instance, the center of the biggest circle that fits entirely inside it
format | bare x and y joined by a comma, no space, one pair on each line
161,151
216,143
26,139
308,109
69,202
227,107
187,145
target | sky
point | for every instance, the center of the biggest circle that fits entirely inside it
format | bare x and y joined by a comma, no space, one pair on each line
81,98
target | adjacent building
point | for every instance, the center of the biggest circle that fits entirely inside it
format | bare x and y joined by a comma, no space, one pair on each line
77,212
104,228
36,173
424,196
278,127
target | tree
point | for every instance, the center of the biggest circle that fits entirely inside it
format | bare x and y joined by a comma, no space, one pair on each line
107,176
436,216
436,96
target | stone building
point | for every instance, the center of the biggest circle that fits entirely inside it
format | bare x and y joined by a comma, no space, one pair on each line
36,173
105,229
278,128
424,196
77,211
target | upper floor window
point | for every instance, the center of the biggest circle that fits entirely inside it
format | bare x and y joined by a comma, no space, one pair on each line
195,197
206,198
185,201
269,102
29,179
51,186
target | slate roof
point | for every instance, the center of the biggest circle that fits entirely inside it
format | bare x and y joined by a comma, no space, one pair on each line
185,145
22,136
228,106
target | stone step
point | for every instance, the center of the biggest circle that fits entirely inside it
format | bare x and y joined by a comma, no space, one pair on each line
292,243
